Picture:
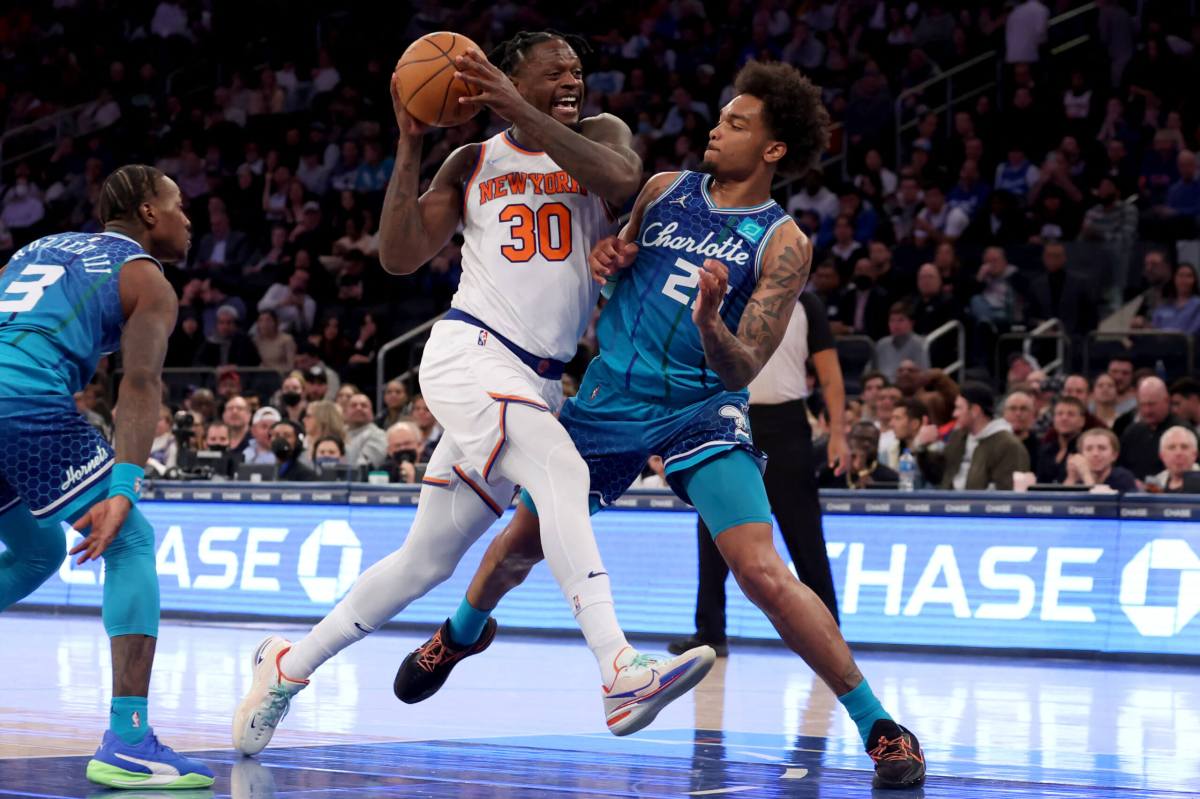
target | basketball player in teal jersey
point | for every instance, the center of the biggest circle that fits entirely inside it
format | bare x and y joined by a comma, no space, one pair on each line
66,300
707,273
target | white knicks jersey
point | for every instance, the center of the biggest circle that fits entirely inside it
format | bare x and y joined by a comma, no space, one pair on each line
528,228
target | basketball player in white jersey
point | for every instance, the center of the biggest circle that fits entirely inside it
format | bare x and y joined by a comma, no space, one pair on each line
532,201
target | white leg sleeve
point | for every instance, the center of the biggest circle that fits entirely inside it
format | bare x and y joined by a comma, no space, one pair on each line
540,456
448,521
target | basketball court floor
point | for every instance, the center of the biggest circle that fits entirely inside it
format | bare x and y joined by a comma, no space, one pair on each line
524,720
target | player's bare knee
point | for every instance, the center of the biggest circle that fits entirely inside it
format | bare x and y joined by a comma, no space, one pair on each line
762,579
510,573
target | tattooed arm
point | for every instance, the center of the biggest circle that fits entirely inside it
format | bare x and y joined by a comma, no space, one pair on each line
413,228
738,359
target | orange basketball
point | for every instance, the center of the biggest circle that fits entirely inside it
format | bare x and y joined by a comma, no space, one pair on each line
425,78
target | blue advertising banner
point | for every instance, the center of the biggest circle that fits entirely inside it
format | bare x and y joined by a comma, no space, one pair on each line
1092,578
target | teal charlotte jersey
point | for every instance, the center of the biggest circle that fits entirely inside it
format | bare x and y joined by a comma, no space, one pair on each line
60,310
649,391
646,332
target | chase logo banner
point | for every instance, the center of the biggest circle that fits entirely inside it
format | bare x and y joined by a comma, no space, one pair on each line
751,230
1063,582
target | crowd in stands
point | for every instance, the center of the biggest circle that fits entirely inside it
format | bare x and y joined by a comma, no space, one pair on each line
1062,192
1124,430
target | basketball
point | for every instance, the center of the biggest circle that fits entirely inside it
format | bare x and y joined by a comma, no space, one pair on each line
426,80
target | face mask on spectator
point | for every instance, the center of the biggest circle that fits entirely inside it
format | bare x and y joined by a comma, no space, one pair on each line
282,449
326,462
290,398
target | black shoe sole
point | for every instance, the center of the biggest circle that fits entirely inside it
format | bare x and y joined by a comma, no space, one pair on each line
903,785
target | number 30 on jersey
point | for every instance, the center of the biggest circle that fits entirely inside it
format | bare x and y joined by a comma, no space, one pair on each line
545,232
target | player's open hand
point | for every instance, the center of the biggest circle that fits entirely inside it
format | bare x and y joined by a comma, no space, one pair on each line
714,281
105,520
491,87
610,255
409,127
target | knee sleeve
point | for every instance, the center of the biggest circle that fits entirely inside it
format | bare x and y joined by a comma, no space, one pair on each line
447,523
566,469
34,552
131,580
727,491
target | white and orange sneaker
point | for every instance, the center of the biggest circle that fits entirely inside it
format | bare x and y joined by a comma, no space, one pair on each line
271,691
645,684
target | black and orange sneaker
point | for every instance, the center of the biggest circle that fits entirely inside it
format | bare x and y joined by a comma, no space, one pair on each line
426,668
899,761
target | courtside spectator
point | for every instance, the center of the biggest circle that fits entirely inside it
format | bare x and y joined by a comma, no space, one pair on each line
366,444
901,345
1095,463
1185,401
1177,452
1020,411
1140,442
981,453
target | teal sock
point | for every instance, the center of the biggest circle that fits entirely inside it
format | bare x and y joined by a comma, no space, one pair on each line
128,719
864,708
467,623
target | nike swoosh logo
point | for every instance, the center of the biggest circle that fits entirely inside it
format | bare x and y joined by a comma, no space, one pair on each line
596,574
359,626
634,692
161,769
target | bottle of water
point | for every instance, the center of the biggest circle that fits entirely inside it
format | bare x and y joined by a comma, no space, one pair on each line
908,471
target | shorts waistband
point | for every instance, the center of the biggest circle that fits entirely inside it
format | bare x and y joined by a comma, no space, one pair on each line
546,368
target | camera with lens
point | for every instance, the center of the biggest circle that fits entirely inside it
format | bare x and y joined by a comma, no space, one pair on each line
193,464
184,430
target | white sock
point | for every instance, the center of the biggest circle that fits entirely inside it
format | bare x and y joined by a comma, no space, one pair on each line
447,523
597,619
541,457
331,635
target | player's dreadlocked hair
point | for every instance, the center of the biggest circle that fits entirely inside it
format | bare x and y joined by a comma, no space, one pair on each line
509,55
792,108
126,189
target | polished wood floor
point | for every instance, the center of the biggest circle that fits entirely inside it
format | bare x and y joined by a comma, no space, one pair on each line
525,719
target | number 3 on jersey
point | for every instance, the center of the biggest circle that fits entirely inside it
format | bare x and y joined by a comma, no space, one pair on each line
546,231
44,276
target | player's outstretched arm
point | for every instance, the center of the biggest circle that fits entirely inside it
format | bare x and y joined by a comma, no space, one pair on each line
737,359
412,227
150,306
600,156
